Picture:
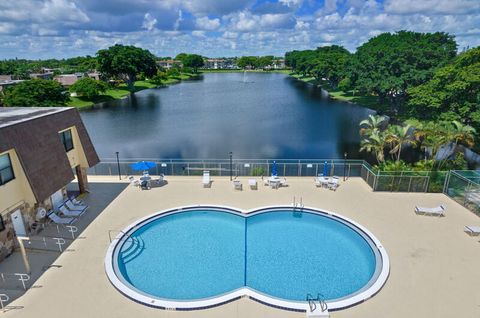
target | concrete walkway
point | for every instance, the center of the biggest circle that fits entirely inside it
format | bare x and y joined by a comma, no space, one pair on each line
435,266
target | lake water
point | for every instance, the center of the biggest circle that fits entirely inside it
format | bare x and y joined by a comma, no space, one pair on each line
257,115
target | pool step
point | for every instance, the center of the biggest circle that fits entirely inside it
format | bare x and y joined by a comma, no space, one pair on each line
136,247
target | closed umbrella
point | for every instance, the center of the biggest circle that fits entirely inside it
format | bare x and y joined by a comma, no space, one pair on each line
274,169
325,169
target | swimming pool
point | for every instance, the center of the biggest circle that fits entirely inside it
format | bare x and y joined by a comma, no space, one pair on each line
203,256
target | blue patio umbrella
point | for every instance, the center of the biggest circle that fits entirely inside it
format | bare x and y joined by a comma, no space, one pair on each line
274,169
142,165
325,169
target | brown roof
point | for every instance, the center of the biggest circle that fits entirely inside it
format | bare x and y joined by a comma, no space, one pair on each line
40,151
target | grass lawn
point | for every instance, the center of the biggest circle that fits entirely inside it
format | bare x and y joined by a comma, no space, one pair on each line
121,91
369,101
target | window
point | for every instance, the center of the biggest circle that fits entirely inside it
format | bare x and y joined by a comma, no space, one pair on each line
67,141
6,170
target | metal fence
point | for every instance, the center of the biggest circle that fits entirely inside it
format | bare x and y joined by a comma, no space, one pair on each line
238,167
464,188
461,188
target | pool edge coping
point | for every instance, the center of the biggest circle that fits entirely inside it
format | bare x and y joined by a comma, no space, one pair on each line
242,292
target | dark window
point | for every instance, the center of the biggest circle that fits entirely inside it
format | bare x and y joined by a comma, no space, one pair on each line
67,141
6,170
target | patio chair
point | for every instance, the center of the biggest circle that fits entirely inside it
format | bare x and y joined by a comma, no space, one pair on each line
283,183
472,230
58,220
75,201
436,211
237,185
145,185
74,207
133,181
333,183
253,184
70,213
265,181
206,179
160,179
318,183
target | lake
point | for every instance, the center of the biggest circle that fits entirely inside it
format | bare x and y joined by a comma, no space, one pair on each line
254,115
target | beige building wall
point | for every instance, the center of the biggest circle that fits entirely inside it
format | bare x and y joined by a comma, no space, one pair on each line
15,194
18,189
76,156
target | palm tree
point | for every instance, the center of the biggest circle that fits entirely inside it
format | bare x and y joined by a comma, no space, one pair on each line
373,123
463,134
375,143
398,136
431,136
458,134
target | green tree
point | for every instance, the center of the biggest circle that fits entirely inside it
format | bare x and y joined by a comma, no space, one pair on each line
247,62
181,57
194,61
330,63
265,61
398,136
88,87
371,124
374,143
452,94
388,65
125,62
36,92
159,78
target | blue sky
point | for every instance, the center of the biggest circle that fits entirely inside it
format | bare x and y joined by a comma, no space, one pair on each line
65,28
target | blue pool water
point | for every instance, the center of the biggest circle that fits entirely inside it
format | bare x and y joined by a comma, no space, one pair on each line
204,253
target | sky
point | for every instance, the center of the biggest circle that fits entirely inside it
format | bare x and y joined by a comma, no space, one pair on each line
39,29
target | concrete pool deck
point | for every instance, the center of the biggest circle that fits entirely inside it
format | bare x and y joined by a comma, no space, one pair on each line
435,266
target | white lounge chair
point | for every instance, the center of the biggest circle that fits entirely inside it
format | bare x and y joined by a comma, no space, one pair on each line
160,179
237,185
58,220
283,183
69,213
74,207
253,184
133,181
472,230
437,211
206,179
75,201
318,183
333,183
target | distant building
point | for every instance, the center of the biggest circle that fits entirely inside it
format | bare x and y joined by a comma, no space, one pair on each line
68,79
168,64
279,64
6,83
94,75
40,149
5,77
219,64
45,76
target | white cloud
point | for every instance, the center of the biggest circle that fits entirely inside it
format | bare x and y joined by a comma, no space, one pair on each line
204,23
222,7
199,34
38,11
291,3
446,7
149,22
179,19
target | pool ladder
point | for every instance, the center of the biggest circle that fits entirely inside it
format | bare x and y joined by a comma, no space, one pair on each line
312,303
297,205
